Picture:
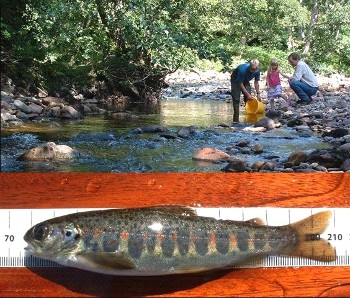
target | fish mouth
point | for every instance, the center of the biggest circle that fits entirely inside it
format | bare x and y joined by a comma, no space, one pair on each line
30,249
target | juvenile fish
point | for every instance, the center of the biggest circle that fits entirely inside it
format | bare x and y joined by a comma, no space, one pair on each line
170,239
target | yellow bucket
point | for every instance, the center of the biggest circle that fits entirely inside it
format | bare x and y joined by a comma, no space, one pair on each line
254,106
253,118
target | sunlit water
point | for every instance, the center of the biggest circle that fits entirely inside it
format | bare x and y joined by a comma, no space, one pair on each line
109,144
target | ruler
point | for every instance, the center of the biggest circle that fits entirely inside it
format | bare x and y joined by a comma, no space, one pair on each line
15,222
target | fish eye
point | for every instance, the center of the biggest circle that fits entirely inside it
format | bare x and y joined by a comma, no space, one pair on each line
40,232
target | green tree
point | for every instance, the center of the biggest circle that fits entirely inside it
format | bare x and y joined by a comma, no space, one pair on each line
131,45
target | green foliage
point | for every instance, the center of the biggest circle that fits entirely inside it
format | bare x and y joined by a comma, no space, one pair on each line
55,75
205,64
134,43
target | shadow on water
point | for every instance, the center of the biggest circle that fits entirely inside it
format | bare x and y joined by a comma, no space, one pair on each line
109,144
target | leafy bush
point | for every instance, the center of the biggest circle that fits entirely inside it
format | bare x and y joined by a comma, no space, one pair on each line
53,43
55,75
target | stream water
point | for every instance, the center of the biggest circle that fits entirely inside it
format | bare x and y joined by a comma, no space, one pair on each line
109,144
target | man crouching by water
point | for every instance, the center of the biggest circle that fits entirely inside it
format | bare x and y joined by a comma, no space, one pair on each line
240,78
303,82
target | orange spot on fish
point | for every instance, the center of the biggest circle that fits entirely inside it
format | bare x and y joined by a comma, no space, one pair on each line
195,237
173,237
124,235
212,241
233,240
97,231
160,237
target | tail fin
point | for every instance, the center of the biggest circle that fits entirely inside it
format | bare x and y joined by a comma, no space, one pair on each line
311,245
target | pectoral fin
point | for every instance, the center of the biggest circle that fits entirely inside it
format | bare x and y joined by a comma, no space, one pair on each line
106,260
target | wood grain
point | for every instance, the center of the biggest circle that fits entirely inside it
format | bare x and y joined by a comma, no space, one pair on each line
64,190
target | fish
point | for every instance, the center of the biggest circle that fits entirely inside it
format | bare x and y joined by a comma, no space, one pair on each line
164,240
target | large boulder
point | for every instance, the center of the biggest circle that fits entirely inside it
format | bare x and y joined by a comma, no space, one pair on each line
336,133
345,147
236,164
328,158
210,154
69,112
295,159
346,165
22,106
49,151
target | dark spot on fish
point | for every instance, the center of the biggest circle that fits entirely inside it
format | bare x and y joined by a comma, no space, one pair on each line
183,240
151,240
242,240
110,242
222,241
89,245
259,240
276,239
201,242
135,244
168,243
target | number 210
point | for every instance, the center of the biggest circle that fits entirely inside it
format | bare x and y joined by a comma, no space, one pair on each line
335,237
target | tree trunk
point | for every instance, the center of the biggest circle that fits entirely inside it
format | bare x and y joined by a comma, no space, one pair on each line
290,43
313,22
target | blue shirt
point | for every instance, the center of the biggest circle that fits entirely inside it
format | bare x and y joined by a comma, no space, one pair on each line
243,74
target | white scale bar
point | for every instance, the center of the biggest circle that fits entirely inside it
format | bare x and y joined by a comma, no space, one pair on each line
15,222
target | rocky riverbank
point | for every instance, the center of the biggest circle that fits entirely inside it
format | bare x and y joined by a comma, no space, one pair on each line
328,117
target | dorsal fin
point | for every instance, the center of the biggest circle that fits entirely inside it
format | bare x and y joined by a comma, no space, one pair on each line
257,221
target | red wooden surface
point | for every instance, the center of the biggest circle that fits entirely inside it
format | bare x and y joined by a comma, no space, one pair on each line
63,190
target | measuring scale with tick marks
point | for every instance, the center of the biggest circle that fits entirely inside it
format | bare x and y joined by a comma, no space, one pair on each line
15,222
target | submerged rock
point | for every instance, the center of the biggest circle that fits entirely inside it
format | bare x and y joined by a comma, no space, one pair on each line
257,148
150,129
265,123
185,132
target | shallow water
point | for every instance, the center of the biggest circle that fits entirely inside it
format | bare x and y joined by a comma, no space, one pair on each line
108,143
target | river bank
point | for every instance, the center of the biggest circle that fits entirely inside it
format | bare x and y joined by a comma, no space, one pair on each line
325,121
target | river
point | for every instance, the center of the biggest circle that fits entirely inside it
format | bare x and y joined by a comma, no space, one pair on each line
109,144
